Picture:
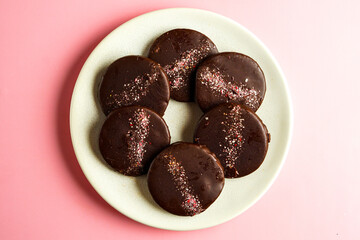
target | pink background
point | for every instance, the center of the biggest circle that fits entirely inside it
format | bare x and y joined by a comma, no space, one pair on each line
43,192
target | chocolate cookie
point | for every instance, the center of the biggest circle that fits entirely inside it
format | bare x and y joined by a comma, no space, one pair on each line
179,52
131,137
236,135
230,77
134,80
185,179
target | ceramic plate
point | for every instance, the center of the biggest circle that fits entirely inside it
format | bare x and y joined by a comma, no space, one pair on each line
129,195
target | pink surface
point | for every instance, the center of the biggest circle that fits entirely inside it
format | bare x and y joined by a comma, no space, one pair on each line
44,194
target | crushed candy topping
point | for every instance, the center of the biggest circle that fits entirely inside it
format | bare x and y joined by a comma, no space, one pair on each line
182,67
132,91
136,139
214,80
191,203
233,127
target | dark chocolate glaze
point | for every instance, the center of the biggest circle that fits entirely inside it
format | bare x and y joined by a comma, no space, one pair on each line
179,52
236,135
229,77
185,179
134,80
131,137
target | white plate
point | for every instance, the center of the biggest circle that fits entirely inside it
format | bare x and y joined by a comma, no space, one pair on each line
129,195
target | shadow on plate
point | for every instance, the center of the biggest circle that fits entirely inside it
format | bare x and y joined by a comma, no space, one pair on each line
194,114
98,122
141,183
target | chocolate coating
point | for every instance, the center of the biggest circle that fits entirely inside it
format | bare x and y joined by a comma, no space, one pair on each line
230,77
131,137
179,52
185,179
236,135
134,80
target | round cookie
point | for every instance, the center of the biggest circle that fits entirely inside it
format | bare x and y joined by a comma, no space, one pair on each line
236,135
185,179
229,77
179,52
131,137
134,80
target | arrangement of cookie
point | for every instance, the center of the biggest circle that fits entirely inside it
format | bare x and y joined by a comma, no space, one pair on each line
230,140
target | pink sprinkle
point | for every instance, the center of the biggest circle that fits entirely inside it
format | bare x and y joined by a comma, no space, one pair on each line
233,127
216,82
191,203
136,136
181,68
133,91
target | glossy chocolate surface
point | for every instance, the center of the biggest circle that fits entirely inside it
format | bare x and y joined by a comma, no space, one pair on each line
236,135
131,137
230,77
185,179
134,80
179,52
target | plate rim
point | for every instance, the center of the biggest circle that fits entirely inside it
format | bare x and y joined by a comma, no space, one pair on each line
290,119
